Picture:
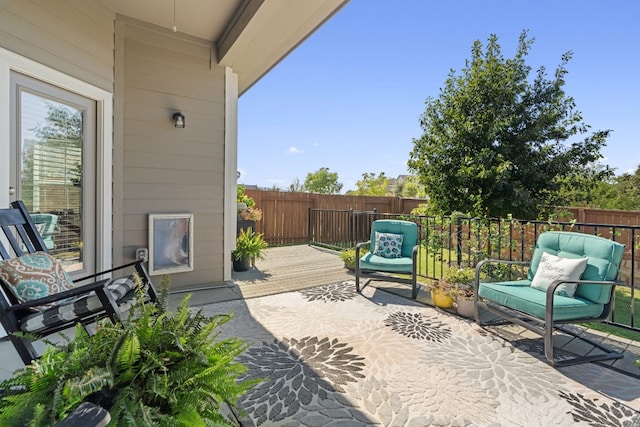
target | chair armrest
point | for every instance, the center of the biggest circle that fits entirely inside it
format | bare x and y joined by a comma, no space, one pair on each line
554,285
111,270
358,246
79,290
86,415
476,280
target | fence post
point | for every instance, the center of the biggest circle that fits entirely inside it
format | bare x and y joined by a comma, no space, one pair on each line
352,234
459,240
309,225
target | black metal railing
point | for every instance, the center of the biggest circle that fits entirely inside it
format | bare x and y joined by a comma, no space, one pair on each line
462,241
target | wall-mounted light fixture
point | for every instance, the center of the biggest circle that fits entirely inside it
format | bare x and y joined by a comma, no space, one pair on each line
178,119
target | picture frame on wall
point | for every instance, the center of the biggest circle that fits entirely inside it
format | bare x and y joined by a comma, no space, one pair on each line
170,243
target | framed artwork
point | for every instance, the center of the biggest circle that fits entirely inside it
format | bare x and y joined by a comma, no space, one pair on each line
170,243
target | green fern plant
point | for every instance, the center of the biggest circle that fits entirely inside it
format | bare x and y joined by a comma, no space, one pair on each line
157,368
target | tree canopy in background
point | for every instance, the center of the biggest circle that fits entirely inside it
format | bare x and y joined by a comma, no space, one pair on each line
371,185
497,143
322,181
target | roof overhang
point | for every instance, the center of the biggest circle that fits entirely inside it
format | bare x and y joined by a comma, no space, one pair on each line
250,36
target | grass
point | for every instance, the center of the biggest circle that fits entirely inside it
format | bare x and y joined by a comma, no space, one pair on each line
622,315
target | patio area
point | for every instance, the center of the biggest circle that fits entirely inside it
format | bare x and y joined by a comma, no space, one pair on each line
383,359
305,275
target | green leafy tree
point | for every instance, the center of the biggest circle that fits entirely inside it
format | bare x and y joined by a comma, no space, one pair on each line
411,188
372,185
323,181
621,192
496,142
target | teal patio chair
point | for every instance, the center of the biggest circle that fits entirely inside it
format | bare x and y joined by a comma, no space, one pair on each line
389,253
579,272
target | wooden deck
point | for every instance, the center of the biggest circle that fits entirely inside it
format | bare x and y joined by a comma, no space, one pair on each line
289,268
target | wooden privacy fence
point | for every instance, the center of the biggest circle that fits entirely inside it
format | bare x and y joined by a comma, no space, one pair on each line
285,214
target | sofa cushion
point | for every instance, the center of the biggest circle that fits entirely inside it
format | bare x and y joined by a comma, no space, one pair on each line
552,268
34,276
121,290
388,245
519,295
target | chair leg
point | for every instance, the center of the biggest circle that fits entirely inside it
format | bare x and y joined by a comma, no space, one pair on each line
608,354
414,286
25,349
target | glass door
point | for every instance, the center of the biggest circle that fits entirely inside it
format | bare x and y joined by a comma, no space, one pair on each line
53,167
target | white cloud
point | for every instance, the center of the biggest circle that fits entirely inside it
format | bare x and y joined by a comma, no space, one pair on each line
294,150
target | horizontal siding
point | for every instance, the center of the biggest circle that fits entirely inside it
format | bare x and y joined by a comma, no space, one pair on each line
168,170
71,36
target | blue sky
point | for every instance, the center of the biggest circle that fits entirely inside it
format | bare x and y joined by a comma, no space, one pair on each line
349,98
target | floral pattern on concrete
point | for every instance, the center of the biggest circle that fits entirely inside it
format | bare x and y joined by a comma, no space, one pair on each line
297,372
418,326
378,359
331,293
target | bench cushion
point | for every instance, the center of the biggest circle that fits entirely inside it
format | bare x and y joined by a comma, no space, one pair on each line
121,290
395,265
519,295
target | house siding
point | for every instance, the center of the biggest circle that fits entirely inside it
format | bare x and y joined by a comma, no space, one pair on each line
164,169
152,72
72,36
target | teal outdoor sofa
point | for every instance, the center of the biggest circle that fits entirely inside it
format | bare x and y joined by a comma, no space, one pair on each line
543,311
404,261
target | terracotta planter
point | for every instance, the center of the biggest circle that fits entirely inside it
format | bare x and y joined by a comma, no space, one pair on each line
440,299
464,307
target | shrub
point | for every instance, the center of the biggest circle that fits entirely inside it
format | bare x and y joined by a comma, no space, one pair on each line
348,256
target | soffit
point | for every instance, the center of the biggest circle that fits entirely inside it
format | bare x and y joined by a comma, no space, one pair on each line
250,36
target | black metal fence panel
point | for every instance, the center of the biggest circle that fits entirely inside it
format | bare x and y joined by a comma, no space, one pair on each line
460,241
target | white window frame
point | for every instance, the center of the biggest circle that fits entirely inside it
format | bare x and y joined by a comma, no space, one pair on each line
10,61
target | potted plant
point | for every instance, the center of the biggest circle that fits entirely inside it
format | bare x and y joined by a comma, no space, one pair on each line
249,247
461,279
443,293
156,368
348,256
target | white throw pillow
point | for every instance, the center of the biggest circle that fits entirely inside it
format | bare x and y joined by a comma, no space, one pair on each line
553,268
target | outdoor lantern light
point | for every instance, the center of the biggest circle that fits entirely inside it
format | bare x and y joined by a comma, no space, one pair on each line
178,119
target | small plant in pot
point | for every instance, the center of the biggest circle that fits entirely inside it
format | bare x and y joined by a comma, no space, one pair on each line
443,293
348,256
249,247
462,281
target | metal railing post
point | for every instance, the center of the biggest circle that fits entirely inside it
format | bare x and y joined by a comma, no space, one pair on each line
309,226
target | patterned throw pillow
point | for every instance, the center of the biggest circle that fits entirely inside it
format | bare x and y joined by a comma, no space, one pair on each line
553,268
388,245
34,276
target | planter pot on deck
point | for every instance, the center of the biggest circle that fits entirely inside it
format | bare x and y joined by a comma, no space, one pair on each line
242,264
440,299
464,307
